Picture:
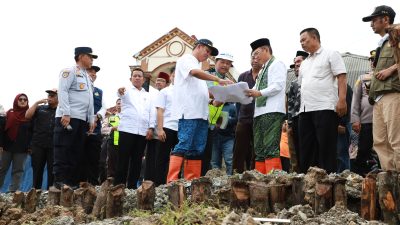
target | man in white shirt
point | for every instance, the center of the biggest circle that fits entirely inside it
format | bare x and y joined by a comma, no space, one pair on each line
150,172
137,119
167,130
190,107
322,78
269,111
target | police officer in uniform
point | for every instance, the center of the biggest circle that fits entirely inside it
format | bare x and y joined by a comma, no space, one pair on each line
74,118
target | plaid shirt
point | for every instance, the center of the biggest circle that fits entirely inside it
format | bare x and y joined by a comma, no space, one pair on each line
293,98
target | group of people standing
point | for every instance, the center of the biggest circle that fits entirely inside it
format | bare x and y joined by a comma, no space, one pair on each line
183,131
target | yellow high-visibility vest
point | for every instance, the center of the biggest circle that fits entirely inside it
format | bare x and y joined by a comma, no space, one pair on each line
214,112
114,122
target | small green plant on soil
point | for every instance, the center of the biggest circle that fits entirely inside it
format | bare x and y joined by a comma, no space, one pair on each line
187,214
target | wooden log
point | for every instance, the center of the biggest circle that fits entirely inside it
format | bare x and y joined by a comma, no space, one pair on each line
38,194
53,197
89,198
201,189
146,195
67,196
277,196
387,201
78,196
368,198
31,201
176,194
323,196
223,196
339,192
240,196
259,199
298,190
101,199
18,199
85,197
115,201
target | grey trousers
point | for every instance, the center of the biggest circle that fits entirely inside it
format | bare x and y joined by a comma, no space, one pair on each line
18,162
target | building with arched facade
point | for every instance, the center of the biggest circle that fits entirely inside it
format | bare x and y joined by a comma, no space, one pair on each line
161,56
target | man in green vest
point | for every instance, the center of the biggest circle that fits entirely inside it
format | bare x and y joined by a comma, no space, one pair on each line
215,107
112,149
385,92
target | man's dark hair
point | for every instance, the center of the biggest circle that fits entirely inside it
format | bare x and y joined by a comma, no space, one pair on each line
391,19
137,69
312,31
76,58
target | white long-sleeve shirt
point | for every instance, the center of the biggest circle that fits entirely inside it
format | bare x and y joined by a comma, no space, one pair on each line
275,92
137,111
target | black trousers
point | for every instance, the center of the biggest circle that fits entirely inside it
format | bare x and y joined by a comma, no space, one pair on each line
243,152
318,140
90,160
130,154
285,164
112,158
163,151
150,160
295,129
40,157
103,160
206,157
364,154
68,151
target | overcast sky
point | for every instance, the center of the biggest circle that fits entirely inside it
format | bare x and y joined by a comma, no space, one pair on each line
38,37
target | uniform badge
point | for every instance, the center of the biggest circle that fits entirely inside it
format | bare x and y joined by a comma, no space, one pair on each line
82,85
96,93
65,74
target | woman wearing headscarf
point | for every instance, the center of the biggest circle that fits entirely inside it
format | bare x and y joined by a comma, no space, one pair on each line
17,135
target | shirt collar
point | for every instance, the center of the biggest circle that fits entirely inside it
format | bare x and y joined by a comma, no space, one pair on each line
221,76
318,51
384,38
134,88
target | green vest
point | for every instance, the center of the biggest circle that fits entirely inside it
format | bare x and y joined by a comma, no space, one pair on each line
114,122
262,83
392,83
214,112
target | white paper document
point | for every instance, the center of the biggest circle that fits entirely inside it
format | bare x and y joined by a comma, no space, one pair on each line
231,93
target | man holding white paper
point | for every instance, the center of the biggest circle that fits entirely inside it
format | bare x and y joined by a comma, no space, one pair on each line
269,112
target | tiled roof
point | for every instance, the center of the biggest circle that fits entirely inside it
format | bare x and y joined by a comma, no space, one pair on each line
356,65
